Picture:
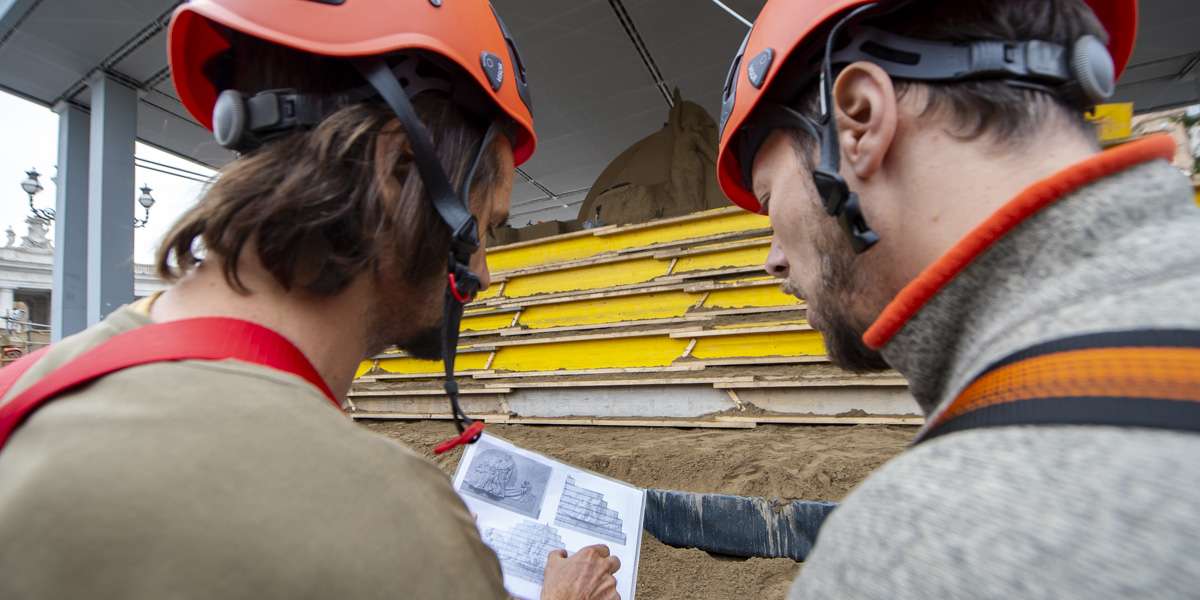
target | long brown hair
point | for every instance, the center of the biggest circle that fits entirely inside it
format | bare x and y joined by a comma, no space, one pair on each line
321,207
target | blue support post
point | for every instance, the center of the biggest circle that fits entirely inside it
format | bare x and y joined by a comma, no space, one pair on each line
110,198
68,302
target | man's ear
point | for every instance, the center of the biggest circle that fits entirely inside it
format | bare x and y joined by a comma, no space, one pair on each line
864,102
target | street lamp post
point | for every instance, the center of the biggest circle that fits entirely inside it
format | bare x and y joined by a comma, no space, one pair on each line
146,200
32,186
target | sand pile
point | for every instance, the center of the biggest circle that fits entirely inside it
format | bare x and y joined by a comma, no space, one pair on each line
773,461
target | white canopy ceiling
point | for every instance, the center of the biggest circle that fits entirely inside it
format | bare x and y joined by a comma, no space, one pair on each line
601,73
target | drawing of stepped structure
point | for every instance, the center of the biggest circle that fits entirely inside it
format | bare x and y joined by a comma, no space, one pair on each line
586,511
523,549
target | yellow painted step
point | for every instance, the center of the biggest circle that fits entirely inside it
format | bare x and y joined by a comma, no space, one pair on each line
609,310
590,243
587,277
788,343
649,351
462,362
738,257
759,295
486,322
765,324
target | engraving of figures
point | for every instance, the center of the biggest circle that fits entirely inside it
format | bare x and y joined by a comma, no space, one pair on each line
506,480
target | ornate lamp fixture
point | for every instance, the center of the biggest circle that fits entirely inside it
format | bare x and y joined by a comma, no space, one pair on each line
146,200
32,186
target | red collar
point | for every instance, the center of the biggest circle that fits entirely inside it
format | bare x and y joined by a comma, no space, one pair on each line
1029,201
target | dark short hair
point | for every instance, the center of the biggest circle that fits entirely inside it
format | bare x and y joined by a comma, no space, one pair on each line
316,207
1006,115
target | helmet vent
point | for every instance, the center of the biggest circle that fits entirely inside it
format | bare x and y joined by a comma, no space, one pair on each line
333,2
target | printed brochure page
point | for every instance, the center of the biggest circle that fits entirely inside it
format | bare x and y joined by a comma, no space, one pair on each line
529,504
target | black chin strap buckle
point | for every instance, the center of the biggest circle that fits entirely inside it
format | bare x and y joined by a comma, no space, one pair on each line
464,243
463,283
840,202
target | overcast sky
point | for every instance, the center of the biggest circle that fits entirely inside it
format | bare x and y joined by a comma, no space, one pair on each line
29,138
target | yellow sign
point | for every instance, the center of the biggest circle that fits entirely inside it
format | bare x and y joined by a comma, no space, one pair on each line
1112,121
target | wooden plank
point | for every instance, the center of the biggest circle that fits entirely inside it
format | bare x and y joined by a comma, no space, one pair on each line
753,326
731,236
613,292
472,311
715,286
736,401
742,331
507,374
703,315
712,248
589,261
530,331
509,420
465,349
712,273
430,375
620,382
761,360
597,336
698,216
403,393
821,420
802,382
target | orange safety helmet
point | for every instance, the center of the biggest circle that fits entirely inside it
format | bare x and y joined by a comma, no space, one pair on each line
784,26
465,32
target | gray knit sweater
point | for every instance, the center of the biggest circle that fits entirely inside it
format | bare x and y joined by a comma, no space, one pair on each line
1037,511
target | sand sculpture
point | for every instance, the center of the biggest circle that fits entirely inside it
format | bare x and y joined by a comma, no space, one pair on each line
667,174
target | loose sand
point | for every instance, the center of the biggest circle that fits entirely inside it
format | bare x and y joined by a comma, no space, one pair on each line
772,461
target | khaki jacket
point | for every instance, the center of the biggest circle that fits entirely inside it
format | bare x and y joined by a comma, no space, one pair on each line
220,479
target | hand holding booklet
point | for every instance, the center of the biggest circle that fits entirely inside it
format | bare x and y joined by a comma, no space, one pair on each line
530,504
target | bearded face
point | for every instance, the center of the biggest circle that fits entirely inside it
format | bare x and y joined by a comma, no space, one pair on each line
834,293
813,257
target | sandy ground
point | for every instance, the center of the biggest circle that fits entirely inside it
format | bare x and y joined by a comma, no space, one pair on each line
772,461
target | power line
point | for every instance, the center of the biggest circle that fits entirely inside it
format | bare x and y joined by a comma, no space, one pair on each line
735,15
158,164
175,174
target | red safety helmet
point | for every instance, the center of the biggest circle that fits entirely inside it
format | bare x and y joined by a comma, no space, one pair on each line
465,32
784,26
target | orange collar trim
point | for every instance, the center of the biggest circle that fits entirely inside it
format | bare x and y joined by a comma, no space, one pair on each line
1029,201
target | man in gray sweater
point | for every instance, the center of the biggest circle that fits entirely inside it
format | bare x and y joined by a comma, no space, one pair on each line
943,207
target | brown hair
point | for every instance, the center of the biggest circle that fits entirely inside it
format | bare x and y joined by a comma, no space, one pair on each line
1008,116
317,207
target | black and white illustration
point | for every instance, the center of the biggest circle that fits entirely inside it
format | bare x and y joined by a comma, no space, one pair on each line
507,480
529,504
586,511
523,550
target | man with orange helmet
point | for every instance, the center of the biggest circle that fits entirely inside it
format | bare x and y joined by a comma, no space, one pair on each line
194,445
944,208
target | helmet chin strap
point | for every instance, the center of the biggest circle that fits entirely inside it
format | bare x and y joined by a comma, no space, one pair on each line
454,210
839,201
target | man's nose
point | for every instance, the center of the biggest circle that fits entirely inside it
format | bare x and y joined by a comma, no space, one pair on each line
777,264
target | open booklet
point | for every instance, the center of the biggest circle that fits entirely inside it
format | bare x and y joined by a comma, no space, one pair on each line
529,504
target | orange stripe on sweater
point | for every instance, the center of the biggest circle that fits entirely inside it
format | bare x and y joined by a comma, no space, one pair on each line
1029,201
1158,373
